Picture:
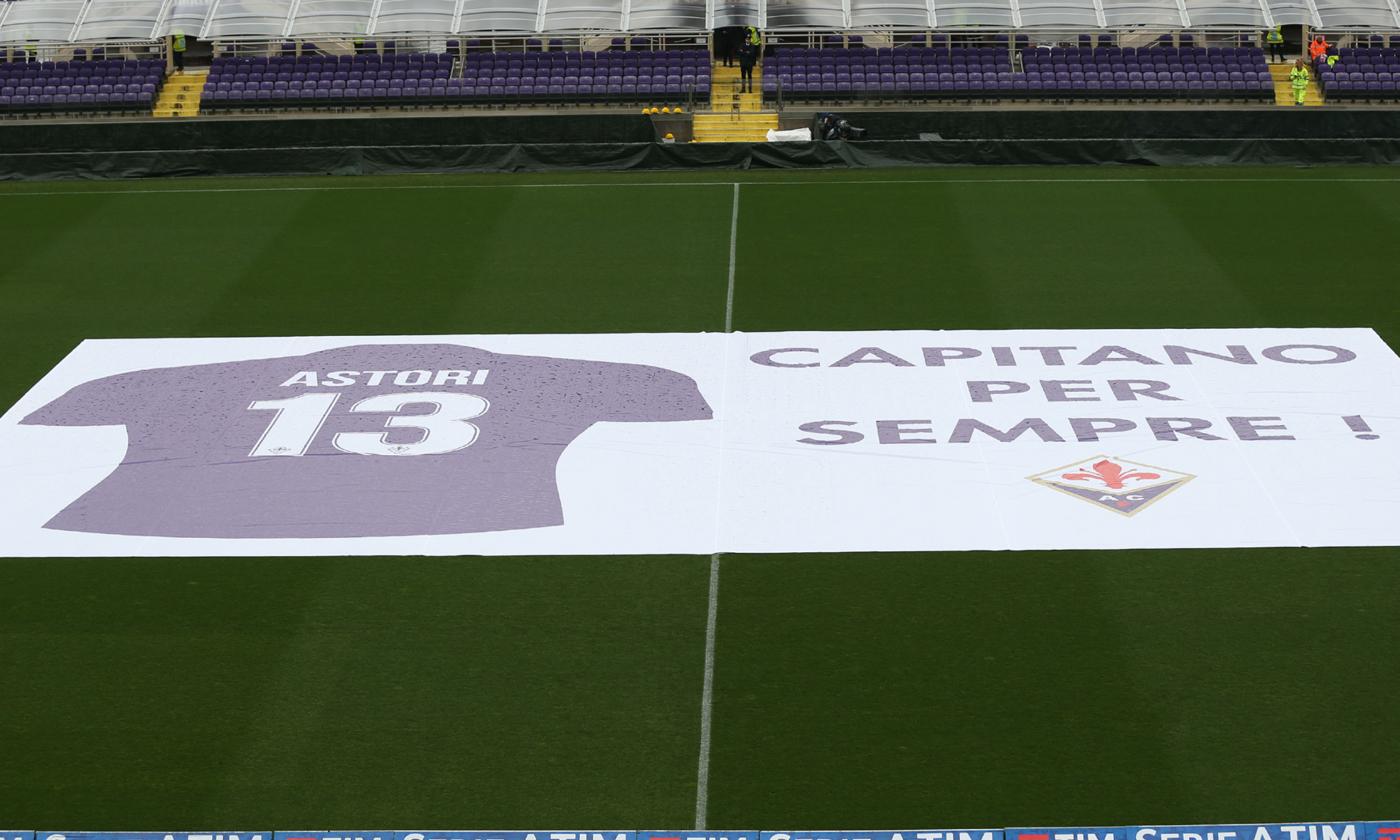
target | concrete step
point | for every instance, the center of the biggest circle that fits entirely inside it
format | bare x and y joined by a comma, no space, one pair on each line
733,116
181,94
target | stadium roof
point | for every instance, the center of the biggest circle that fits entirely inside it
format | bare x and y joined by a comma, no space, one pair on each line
76,21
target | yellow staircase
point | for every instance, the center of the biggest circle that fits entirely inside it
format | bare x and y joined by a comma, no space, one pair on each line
734,116
181,94
1283,88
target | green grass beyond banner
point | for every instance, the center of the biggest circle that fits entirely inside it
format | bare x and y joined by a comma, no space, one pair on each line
1029,688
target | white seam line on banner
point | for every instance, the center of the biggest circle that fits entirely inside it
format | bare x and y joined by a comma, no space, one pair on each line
707,691
992,489
796,182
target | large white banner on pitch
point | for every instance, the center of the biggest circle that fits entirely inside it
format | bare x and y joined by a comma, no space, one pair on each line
699,443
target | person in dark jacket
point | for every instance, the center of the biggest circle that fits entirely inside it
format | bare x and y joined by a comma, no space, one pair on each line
748,56
725,42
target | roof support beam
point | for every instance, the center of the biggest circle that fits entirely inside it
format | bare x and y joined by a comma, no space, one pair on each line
9,7
208,20
78,22
291,18
932,15
457,17
710,15
539,15
1394,12
1185,16
1102,18
161,17
846,14
1016,13
1316,16
373,24
626,15
1268,14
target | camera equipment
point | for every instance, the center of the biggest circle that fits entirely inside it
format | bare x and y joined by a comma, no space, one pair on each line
835,127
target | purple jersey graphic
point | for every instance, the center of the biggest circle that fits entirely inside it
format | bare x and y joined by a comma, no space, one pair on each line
369,440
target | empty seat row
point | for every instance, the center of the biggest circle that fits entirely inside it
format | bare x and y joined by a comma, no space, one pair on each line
81,86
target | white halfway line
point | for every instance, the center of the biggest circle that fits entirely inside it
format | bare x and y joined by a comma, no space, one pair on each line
707,692
707,695
733,251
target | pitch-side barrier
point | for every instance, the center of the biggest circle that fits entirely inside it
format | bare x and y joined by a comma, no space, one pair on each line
1354,830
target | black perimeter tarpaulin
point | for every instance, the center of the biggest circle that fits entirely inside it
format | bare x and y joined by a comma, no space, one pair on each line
512,143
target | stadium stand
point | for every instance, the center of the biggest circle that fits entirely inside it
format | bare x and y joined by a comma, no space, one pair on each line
1361,73
669,76
908,73
435,79
109,85
348,80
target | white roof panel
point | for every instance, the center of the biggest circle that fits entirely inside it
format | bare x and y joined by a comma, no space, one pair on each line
483,16
184,16
1074,14
1124,13
957,14
573,15
687,15
63,21
246,19
737,13
1225,13
1349,13
805,14
120,20
1287,12
40,20
874,13
331,17
414,17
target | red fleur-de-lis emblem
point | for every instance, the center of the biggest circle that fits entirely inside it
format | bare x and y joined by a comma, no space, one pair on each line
1112,475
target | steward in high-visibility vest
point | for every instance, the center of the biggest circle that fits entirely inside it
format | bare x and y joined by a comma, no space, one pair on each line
177,48
755,40
1274,38
1299,78
1318,47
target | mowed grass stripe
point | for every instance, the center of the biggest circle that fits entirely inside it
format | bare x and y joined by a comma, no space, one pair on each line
1151,254
1029,175
350,691
321,263
476,692
1063,688
564,690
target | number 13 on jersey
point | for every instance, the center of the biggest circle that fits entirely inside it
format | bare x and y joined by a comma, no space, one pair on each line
299,420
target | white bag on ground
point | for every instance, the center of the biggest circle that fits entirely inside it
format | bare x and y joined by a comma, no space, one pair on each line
793,135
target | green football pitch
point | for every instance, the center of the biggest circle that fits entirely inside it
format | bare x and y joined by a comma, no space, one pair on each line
1042,688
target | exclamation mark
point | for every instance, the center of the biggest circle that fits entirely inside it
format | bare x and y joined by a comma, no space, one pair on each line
1363,430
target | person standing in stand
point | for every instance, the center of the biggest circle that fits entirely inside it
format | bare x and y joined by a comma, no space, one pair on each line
1299,78
724,45
1274,38
177,49
748,56
1318,47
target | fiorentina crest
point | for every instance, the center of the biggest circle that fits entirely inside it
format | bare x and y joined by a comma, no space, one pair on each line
1117,484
